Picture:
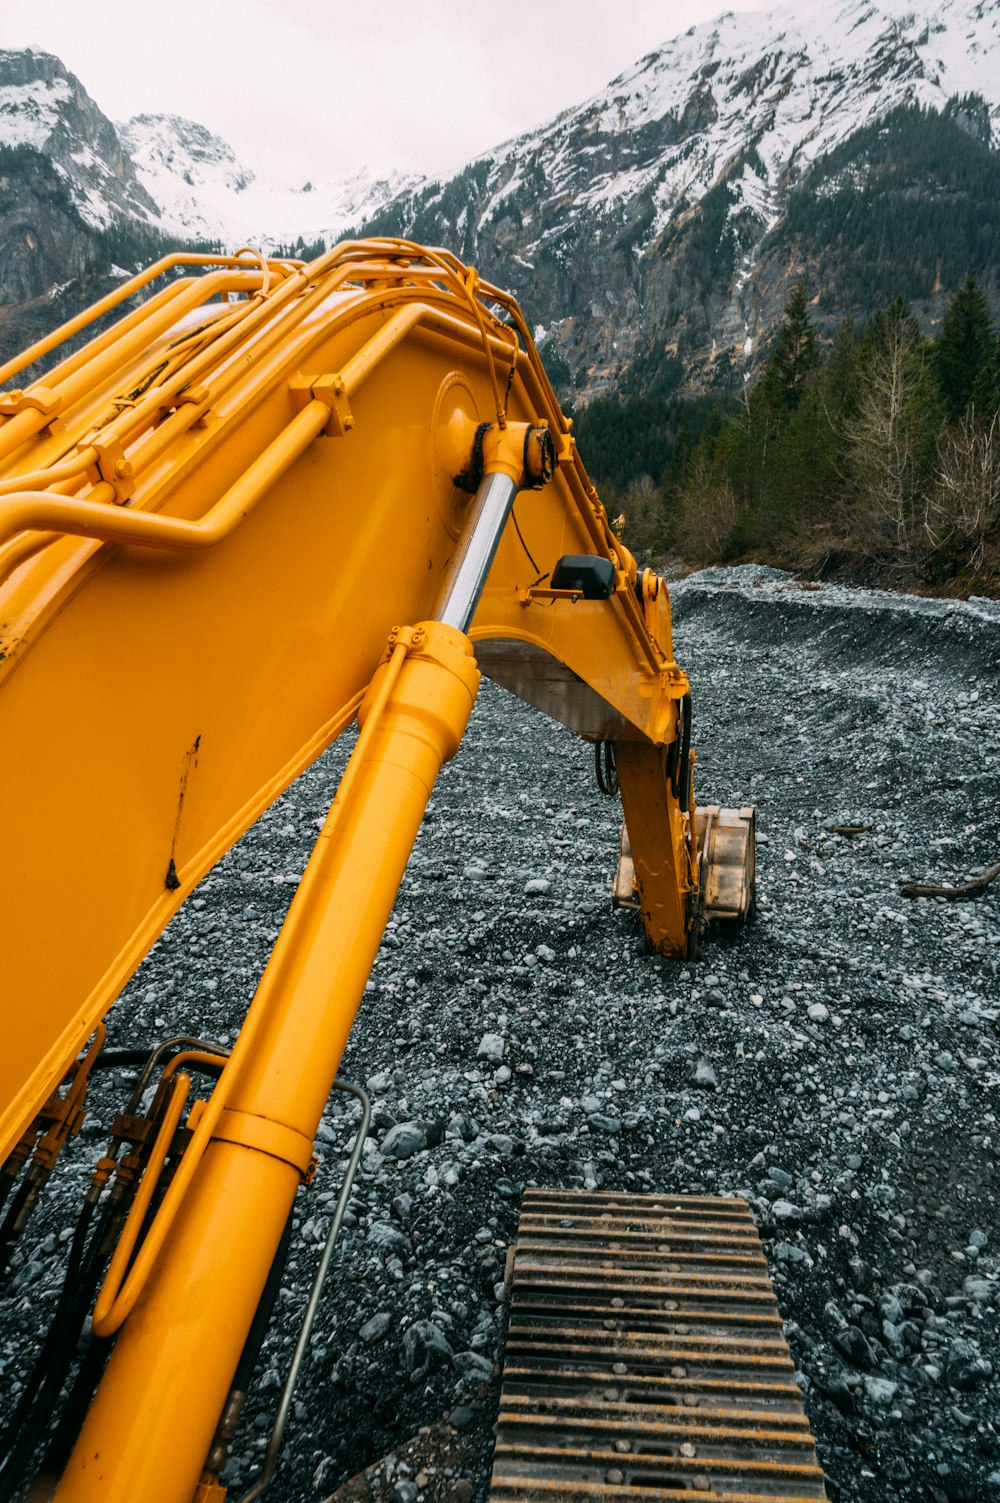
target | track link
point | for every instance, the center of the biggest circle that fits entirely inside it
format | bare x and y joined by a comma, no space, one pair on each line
646,1359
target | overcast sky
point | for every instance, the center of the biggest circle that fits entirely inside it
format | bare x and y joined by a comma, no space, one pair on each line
302,90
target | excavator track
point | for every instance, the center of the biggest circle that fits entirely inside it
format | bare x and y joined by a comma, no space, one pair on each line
646,1359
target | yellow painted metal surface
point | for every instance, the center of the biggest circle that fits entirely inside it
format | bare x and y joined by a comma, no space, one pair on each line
157,693
212,523
151,1425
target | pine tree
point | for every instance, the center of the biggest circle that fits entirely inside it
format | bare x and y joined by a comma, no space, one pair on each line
986,392
964,348
795,354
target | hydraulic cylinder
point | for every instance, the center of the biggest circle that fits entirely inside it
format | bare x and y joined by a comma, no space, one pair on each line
151,1425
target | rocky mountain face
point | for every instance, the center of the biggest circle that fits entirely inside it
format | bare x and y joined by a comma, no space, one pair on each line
651,233
84,201
45,108
653,221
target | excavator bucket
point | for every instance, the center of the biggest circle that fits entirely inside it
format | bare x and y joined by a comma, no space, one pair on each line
727,866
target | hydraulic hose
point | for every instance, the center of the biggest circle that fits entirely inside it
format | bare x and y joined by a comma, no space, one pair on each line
25,1426
682,780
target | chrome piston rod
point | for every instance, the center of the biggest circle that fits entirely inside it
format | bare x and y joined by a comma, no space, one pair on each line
464,583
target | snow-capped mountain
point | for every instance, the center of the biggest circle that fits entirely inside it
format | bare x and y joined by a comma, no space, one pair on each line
855,142
202,191
46,109
788,84
168,173
649,209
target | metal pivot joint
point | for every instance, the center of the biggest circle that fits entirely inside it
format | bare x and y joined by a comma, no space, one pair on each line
511,457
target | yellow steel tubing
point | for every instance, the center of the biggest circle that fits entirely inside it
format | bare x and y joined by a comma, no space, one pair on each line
453,273
114,354
91,519
152,1422
107,1314
55,475
25,510
110,336
44,346
247,1041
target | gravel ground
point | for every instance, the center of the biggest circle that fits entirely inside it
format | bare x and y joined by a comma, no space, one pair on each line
837,1063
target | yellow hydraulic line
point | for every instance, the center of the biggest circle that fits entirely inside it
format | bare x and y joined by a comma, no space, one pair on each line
464,281
106,1315
100,342
80,380
354,372
110,358
120,295
54,476
452,271
115,1302
152,1423
19,549
166,296
23,512
26,510
213,350
90,519
111,1319
23,509
229,334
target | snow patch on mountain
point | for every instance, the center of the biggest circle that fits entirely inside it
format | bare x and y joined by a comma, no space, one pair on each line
30,112
45,108
780,87
203,192
169,173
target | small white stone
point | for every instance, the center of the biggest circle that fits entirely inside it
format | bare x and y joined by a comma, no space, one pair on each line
491,1047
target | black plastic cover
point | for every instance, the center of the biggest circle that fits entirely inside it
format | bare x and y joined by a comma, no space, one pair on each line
593,578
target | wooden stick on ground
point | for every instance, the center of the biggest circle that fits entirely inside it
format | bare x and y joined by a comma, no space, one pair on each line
970,889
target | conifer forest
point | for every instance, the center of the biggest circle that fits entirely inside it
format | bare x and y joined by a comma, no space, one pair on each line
873,455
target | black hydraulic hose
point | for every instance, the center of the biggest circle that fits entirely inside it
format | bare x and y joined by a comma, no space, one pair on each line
682,785
88,1257
121,1059
605,768
8,1179
10,1230
25,1426
243,1376
74,1410
85,1266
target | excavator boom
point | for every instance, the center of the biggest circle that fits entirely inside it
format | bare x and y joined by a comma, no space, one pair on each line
271,500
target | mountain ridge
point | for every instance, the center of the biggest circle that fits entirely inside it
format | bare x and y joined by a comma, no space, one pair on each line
665,218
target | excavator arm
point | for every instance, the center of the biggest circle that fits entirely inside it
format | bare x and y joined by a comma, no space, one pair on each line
271,500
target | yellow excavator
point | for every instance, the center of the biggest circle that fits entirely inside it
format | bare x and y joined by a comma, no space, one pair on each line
269,501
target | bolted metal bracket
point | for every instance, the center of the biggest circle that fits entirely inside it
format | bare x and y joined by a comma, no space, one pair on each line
38,399
332,392
113,468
